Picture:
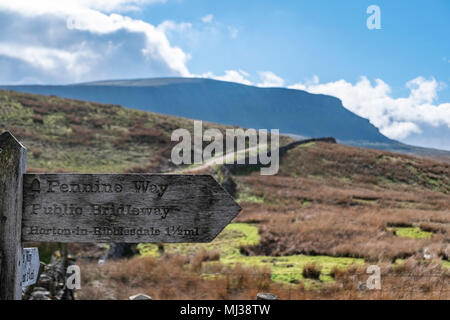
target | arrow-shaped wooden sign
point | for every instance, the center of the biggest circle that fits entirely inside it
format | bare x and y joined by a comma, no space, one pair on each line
124,208
98,208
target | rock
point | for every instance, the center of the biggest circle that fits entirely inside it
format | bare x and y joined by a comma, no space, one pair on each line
140,296
362,286
266,296
40,295
60,294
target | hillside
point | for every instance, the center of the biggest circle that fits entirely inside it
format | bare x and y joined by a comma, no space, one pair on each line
79,136
307,232
291,111
331,199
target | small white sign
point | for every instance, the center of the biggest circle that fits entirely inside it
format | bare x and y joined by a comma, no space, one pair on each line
30,266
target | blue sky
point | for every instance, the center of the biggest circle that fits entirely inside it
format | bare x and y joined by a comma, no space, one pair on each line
300,39
398,76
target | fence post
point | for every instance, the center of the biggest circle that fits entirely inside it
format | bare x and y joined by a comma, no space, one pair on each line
12,168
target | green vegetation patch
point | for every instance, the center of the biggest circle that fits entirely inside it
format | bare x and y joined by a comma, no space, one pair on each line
411,232
306,145
249,198
286,269
364,201
306,203
228,242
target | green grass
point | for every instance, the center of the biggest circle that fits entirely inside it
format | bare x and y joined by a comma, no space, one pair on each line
228,242
249,198
287,269
411,232
306,203
306,145
363,201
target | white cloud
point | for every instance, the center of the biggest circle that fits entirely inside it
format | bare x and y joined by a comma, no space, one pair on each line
208,18
400,130
60,32
270,79
239,76
117,5
89,17
169,25
57,6
396,118
75,61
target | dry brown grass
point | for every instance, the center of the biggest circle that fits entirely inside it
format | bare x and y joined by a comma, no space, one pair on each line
311,271
171,277
203,256
174,278
324,201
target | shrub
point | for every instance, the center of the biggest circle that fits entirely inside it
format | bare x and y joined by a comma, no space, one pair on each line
147,135
204,256
311,271
38,119
73,119
36,153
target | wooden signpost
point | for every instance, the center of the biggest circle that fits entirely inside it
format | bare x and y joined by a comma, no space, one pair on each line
135,208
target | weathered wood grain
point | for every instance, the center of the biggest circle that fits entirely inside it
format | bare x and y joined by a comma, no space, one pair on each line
12,168
114,208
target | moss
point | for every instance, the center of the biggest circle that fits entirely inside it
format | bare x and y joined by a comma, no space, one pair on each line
363,201
306,145
287,269
228,242
249,198
411,232
306,203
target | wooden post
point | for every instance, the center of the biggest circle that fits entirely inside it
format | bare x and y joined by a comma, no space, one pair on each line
12,169
128,208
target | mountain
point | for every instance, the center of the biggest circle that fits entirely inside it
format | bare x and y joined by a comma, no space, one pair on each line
294,112
291,111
